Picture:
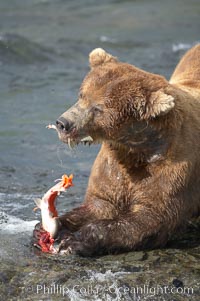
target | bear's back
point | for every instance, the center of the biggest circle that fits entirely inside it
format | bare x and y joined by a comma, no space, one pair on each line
187,73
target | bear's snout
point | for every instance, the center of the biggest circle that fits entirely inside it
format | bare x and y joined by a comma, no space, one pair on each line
72,125
64,124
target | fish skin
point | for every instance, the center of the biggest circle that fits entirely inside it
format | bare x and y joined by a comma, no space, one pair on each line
50,222
49,214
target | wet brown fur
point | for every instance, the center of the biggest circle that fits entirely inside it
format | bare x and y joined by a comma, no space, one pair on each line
145,181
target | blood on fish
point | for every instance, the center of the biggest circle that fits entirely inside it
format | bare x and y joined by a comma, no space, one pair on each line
46,241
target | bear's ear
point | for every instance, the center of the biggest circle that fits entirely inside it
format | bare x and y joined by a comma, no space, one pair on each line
159,103
99,56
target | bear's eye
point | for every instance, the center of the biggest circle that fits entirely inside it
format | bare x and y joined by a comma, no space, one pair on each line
80,95
97,109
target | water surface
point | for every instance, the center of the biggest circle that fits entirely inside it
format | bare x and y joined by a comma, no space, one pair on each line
44,47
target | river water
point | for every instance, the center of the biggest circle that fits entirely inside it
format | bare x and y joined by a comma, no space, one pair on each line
44,47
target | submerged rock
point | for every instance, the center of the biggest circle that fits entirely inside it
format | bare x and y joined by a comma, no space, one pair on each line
172,273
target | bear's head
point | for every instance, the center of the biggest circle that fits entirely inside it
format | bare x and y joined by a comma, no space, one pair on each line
117,103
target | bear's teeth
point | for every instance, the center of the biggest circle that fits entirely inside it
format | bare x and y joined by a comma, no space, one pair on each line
69,143
87,139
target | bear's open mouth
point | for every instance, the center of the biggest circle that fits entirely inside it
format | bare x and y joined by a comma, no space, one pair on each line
72,139
73,142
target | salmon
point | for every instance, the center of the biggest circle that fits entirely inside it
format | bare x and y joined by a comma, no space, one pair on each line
49,214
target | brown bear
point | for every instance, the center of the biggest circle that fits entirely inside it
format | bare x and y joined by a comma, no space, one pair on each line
145,182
